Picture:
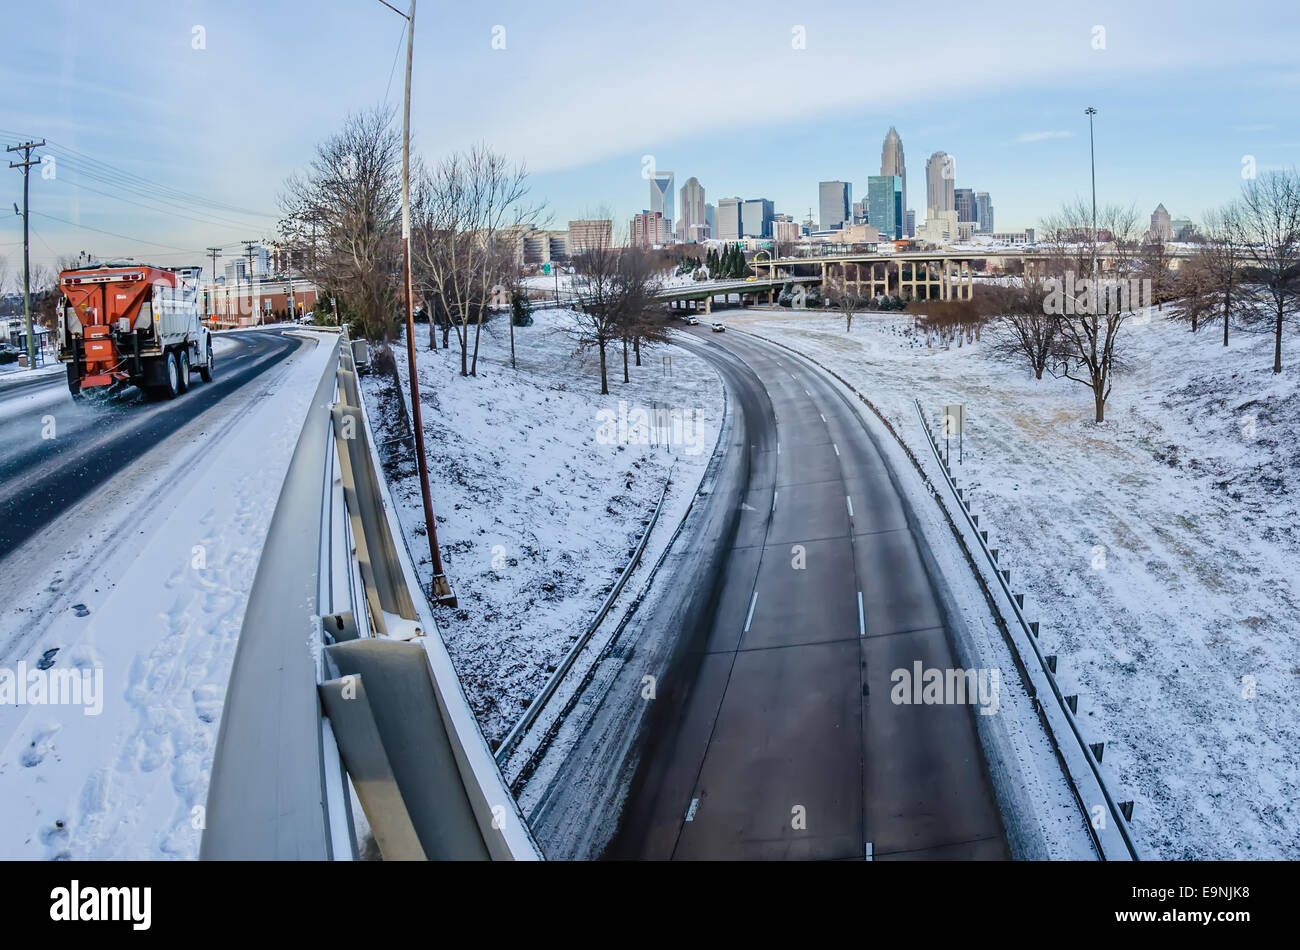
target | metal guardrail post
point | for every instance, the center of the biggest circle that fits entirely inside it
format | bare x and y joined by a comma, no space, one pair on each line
1046,663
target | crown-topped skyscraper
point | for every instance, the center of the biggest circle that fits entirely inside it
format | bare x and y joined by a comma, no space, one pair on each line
891,160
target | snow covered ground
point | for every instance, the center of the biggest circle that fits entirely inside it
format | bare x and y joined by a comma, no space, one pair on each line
11,373
145,582
541,487
1160,552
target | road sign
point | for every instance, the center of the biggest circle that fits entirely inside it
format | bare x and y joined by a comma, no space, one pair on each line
954,419
954,423
546,269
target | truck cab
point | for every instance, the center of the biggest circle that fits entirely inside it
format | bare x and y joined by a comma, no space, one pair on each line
126,323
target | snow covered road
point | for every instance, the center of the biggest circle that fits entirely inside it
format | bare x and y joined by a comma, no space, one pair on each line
144,580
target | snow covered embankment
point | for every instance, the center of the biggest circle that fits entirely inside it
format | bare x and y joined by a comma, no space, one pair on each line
541,487
1160,552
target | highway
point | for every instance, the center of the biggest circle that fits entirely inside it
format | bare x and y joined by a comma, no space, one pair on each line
41,477
775,736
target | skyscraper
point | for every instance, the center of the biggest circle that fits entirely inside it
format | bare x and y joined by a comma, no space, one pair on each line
984,212
728,219
647,229
891,159
965,198
1161,228
692,195
834,200
939,174
909,223
885,205
661,195
756,218
711,219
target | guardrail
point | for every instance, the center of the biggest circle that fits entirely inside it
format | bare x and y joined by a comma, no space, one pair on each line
341,683
1126,848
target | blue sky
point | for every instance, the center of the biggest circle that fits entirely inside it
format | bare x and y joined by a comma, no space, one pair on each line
1184,91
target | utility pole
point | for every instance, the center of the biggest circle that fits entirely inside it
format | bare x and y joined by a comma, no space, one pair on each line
288,270
442,592
253,302
215,252
26,165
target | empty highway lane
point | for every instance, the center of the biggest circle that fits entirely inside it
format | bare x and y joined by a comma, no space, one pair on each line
786,744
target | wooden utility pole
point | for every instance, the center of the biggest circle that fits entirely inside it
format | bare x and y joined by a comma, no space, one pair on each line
442,592
253,302
215,252
26,165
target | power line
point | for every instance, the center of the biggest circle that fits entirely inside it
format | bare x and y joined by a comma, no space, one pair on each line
131,179
127,237
152,192
209,220
393,71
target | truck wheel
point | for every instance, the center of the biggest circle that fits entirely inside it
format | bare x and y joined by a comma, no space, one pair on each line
183,372
206,371
171,377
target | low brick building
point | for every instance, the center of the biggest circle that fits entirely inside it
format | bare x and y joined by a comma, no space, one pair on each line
263,301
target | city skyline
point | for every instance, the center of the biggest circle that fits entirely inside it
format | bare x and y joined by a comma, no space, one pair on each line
1155,141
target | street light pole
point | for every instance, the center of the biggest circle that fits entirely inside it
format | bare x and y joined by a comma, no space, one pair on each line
1092,158
442,592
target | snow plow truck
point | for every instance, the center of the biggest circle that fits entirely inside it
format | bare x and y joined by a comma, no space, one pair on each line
125,323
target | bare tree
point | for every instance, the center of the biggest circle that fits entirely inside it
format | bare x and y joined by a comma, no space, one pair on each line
1090,295
468,223
4,274
616,291
1155,266
1223,259
1268,225
1196,291
1022,330
346,208
839,292
643,323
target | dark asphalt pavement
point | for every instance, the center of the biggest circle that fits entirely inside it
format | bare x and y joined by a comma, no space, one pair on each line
781,739
40,478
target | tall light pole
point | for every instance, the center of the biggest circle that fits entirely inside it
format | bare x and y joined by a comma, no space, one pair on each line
442,592
1092,157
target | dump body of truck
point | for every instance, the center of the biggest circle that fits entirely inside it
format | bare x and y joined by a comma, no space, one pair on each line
131,323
